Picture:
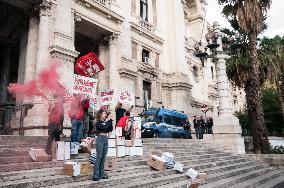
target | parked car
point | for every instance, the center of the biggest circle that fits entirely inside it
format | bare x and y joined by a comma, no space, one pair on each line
163,123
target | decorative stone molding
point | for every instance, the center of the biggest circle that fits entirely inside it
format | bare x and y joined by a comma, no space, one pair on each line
101,7
77,18
176,81
45,8
127,69
146,33
147,68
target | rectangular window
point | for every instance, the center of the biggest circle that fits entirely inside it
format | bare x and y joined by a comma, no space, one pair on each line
144,9
145,56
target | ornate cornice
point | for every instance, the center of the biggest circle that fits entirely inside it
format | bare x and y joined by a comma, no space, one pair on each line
144,67
101,9
145,33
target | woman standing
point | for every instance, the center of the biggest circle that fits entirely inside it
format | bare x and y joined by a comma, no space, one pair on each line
102,127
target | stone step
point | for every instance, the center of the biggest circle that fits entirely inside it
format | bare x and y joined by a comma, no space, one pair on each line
230,177
258,181
11,140
16,159
12,153
210,170
29,165
7,149
275,183
61,180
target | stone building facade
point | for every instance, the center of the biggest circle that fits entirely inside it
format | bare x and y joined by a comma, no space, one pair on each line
145,45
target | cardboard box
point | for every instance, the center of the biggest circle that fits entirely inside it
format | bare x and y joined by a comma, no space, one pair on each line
110,163
38,155
87,144
93,151
71,169
74,151
202,176
86,167
128,143
111,134
118,131
135,151
156,162
67,150
193,183
178,167
120,151
127,151
111,152
60,151
138,142
111,143
120,141
192,173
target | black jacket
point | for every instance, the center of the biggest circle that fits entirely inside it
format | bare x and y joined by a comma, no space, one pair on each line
103,126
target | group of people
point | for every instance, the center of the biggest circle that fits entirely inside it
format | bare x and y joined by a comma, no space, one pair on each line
84,124
202,126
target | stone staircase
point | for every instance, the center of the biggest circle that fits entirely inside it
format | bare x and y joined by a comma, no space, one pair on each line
223,169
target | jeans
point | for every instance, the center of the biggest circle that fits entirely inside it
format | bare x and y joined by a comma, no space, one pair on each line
101,148
77,130
53,134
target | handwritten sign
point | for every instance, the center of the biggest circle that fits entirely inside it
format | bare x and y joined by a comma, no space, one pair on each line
94,102
127,98
106,97
84,85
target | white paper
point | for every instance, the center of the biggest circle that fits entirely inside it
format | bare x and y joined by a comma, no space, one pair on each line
138,142
120,141
111,143
111,152
60,151
127,151
67,151
120,151
191,173
178,167
118,131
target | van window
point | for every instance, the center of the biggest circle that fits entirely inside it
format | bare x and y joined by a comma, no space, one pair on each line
168,119
177,121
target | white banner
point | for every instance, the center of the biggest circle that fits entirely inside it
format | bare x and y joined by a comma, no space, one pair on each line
84,85
127,98
94,102
107,97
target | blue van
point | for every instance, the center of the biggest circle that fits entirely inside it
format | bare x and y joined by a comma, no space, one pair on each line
163,123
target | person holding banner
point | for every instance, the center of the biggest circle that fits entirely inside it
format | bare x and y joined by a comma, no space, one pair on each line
102,127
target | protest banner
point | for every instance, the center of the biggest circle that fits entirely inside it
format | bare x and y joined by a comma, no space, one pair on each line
94,102
127,98
88,65
107,97
84,85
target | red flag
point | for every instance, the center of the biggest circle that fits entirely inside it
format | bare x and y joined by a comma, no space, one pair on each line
88,65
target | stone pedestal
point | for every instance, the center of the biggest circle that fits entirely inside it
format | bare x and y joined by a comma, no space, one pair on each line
227,134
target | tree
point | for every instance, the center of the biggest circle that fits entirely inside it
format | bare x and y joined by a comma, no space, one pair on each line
271,54
248,18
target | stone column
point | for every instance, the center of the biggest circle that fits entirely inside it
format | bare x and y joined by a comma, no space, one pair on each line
113,71
43,36
227,130
223,86
31,56
103,76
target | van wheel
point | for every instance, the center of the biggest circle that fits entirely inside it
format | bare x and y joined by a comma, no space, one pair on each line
156,135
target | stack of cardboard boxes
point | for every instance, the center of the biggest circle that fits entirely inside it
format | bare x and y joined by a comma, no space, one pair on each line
111,144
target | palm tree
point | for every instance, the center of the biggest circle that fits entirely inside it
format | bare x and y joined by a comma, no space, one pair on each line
248,17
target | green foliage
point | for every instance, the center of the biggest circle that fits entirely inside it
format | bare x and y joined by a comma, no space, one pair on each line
272,112
274,121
